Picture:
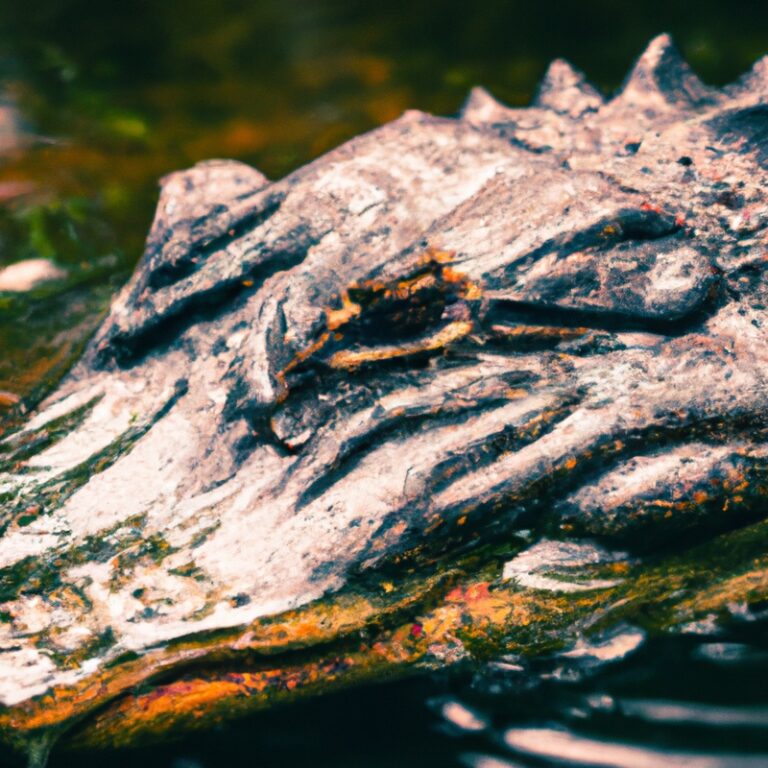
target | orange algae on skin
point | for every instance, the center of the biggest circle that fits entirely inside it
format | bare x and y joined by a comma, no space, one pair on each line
318,623
475,618
397,631
351,625
541,333
444,337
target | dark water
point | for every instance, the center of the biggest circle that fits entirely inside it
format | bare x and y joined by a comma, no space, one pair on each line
682,702
114,94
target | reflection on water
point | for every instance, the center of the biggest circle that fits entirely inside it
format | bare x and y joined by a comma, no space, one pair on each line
672,703
696,701
98,100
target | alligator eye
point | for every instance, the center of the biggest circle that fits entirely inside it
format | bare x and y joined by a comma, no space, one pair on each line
377,320
389,312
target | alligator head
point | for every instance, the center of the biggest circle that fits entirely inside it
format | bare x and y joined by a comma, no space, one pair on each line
317,396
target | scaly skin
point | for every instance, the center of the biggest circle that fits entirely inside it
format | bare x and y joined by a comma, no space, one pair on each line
296,453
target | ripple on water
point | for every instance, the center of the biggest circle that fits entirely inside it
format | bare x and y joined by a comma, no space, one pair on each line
568,747
678,702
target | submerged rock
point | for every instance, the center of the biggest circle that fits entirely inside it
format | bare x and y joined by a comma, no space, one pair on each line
322,407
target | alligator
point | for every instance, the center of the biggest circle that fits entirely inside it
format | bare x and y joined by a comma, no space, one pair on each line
460,387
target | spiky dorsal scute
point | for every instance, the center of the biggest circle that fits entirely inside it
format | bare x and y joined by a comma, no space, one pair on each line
481,107
661,78
564,89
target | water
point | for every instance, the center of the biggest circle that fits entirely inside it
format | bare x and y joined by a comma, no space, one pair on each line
110,96
695,701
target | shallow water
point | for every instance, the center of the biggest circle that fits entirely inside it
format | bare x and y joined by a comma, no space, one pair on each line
107,97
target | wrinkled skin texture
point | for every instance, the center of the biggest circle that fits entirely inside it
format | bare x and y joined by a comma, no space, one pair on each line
441,332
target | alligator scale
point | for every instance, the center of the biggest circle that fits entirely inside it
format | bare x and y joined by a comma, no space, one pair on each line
330,418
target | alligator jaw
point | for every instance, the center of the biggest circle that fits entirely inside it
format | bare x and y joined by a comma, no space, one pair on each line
514,604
